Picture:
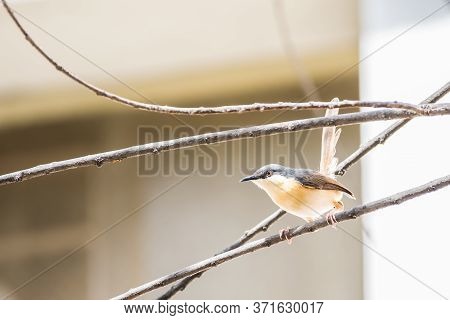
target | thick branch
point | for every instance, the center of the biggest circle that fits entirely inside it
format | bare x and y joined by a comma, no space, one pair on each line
218,137
260,227
205,110
386,134
294,232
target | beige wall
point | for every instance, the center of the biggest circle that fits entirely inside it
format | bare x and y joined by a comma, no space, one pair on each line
154,38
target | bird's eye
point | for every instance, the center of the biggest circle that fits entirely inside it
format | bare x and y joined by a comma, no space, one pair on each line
269,174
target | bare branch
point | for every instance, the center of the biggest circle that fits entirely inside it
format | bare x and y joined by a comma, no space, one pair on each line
217,137
205,110
260,227
386,134
294,232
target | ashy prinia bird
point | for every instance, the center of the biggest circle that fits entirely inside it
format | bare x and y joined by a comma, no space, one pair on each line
306,193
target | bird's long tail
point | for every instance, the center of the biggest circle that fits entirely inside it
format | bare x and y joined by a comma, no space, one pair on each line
330,137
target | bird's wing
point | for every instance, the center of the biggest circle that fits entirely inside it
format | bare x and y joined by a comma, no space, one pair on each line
330,137
319,181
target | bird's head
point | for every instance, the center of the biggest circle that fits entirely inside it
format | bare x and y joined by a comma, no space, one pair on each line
269,171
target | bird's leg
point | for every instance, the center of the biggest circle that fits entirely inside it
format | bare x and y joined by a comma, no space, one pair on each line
331,214
284,235
330,218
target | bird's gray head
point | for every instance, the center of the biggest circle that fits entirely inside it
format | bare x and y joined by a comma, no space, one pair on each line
269,171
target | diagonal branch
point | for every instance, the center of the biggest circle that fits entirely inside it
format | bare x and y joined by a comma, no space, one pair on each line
218,137
260,227
294,232
386,134
203,110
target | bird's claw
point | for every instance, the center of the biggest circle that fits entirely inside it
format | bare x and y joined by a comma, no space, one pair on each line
331,219
284,235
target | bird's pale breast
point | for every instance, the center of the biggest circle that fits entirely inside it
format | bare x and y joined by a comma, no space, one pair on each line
291,196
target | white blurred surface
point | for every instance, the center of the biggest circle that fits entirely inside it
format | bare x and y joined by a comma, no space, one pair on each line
415,234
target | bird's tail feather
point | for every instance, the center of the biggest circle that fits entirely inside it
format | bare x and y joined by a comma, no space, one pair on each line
330,137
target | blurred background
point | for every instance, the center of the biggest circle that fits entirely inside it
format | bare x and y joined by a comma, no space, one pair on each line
93,233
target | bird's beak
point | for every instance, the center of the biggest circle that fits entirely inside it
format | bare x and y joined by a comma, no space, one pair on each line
249,178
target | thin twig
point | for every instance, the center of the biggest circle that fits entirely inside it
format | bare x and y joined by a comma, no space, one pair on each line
304,78
205,110
218,137
294,232
386,134
260,227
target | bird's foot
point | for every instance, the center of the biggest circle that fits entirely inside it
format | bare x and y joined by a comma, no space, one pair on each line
284,235
331,215
331,218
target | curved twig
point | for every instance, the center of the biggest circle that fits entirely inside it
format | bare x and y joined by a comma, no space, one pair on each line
205,110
